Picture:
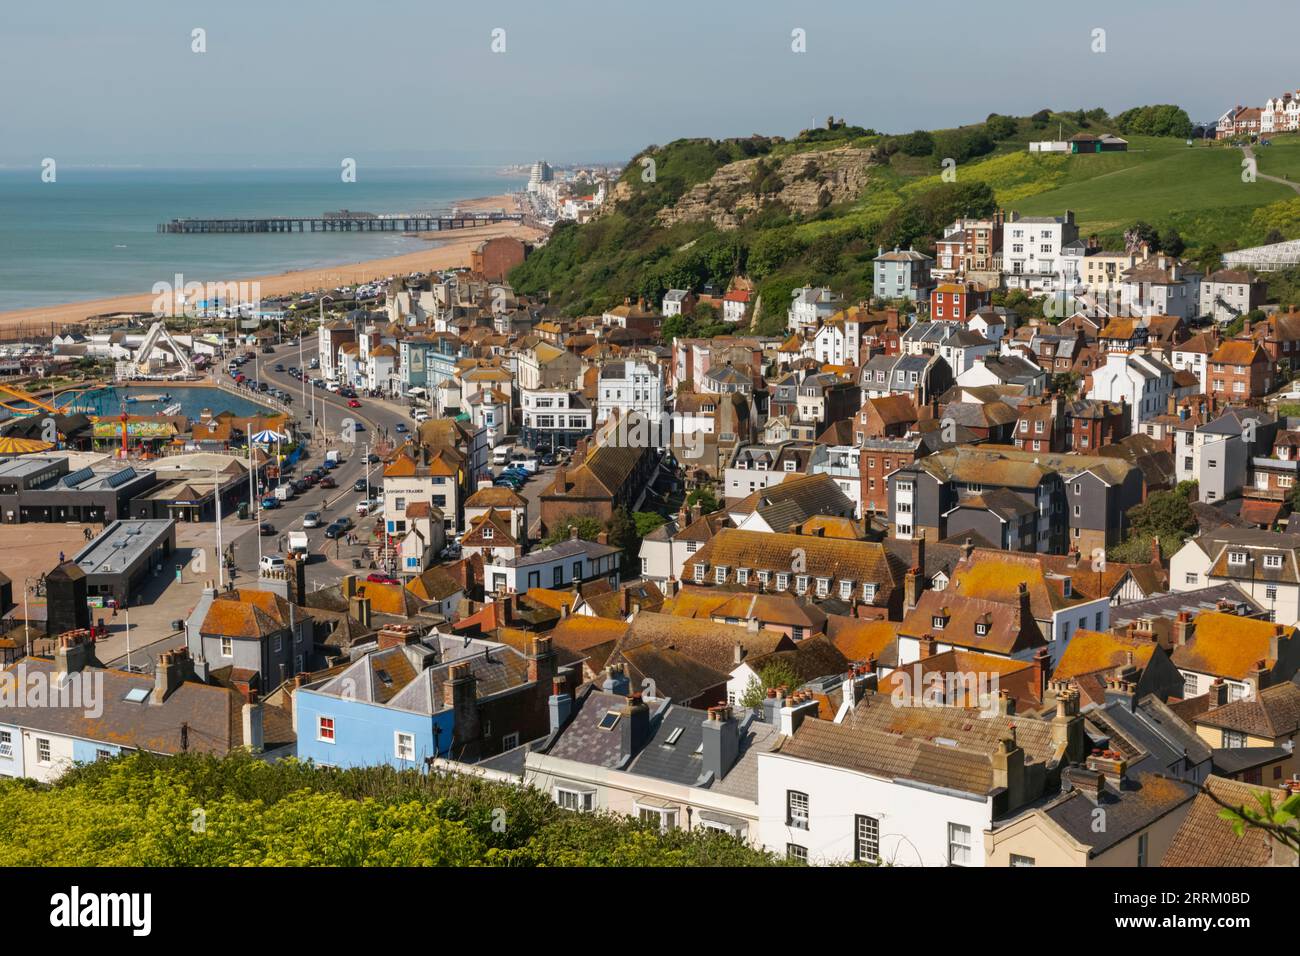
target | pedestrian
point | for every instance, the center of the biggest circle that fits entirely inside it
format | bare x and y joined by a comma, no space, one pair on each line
61,558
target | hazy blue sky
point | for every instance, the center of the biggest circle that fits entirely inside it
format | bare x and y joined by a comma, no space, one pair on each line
307,82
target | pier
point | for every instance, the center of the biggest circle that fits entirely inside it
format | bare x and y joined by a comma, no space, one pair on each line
415,222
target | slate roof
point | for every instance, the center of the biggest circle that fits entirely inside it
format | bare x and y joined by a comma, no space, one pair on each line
1143,799
213,715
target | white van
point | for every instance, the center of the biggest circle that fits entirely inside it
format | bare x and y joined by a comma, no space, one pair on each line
284,492
272,562
500,456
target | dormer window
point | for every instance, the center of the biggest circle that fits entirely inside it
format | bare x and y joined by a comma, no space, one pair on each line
981,629
823,587
1237,557
720,574
699,574
487,534
801,583
1067,588
939,621
782,581
1273,561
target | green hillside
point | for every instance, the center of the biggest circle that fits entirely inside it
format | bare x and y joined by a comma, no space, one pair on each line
1196,191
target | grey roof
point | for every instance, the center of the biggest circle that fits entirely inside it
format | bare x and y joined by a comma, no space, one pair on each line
561,549
583,741
742,779
1201,599
1143,799
1231,422
122,544
1168,744
678,762
1232,760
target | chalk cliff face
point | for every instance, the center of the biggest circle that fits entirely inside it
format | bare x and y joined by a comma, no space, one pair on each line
803,183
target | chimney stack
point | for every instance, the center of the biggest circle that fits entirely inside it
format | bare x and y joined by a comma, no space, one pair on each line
616,681
1183,629
73,652
460,693
170,671
252,727
636,725
560,704
1009,770
721,743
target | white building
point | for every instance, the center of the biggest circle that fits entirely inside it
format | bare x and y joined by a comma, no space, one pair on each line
631,385
810,307
1032,248
1143,381
560,567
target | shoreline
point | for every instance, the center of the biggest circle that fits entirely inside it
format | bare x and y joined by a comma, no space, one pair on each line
449,250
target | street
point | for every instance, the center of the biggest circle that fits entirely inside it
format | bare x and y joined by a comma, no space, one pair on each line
330,559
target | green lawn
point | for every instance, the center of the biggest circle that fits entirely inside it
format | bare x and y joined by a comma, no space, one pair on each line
1167,181
1281,157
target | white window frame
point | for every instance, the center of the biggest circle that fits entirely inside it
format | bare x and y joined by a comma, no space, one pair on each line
584,801
320,728
399,736
960,853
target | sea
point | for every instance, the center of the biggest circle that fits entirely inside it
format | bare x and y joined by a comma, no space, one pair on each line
92,232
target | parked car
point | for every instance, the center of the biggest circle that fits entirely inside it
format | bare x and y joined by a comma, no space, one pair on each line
311,478
331,463
272,562
328,482
547,460
373,458
299,485
266,528
311,519
271,502
366,505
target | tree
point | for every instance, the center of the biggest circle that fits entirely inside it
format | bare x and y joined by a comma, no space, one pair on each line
588,528
1000,127
773,674
1142,231
647,521
1171,242
1166,515
623,535
705,498
920,143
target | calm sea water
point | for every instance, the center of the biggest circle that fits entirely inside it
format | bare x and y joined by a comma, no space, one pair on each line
92,233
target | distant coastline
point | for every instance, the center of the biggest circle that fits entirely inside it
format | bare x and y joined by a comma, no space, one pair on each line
446,251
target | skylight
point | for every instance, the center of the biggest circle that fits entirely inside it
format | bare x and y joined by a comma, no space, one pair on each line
673,737
137,695
609,720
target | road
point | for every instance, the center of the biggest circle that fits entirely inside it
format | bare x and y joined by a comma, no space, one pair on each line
1250,154
322,414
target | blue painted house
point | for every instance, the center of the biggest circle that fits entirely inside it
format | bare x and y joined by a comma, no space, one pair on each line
410,700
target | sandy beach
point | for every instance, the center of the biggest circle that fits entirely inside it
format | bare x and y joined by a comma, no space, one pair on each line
443,253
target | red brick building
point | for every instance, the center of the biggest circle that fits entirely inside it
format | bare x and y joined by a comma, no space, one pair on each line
1240,370
1092,425
953,301
494,258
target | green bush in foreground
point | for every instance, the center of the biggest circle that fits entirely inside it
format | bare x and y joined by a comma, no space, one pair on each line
142,810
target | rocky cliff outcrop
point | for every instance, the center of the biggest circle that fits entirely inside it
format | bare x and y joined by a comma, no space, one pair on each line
803,183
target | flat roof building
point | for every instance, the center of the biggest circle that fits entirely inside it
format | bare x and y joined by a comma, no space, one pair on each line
117,562
43,489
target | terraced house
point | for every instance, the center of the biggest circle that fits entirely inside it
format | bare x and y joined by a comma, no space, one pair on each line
1018,499
853,572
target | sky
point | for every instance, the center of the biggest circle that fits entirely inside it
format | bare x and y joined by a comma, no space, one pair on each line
410,82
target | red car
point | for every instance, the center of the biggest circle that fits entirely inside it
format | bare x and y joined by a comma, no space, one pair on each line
353,403
328,482
378,578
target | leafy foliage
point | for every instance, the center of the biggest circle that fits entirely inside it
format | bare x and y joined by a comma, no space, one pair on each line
142,810
587,527
772,674
1166,515
1162,120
